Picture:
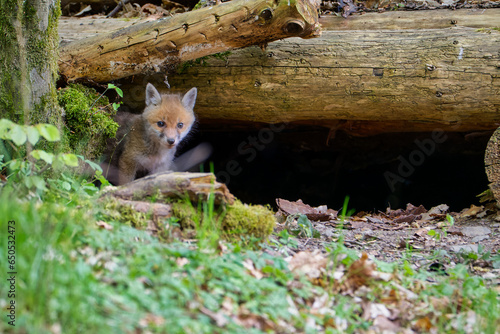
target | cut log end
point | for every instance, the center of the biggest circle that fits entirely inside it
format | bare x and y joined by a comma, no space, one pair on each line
492,164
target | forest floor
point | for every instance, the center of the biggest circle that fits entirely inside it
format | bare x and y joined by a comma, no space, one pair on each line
432,239
156,9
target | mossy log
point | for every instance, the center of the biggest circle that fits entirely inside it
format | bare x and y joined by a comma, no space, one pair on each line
164,195
192,186
159,45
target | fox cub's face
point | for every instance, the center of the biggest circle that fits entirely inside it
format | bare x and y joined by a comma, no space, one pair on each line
169,116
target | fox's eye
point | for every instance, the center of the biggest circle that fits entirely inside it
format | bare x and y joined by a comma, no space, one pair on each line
161,124
180,125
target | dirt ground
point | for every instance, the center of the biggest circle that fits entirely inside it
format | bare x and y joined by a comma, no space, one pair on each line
433,239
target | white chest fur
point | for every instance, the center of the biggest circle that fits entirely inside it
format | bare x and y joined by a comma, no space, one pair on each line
159,162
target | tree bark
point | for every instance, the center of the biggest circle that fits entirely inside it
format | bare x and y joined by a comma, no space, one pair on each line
194,186
492,163
28,61
390,77
156,46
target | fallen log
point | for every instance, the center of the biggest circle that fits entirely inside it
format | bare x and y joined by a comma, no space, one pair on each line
159,45
193,186
158,197
401,78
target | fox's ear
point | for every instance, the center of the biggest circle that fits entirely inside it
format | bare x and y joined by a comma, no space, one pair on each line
189,98
152,95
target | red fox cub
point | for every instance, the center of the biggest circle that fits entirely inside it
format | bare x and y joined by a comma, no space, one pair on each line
152,138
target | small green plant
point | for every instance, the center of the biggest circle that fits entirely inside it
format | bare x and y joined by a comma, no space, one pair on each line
486,196
436,235
495,261
303,227
27,168
344,212
470,256
450,221
338,252
284,241
114,104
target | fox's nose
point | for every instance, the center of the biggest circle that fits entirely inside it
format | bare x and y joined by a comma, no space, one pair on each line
171,141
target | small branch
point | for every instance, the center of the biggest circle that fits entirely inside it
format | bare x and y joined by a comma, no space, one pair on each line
117,8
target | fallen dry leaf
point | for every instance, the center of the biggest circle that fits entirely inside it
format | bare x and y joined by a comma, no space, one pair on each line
248,264
312,264
250,320
385,325
373,310
423,324
181,261
472,211
151,319
319,213
359,273
104,225
218,317
405,219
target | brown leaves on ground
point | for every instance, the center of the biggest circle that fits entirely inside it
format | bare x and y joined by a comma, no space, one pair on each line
381,298
386,235
378,297
357,281
152,11
359,274
344,280
298,207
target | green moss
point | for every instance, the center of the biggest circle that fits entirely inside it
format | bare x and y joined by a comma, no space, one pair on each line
230,222
36,45
117,211
187,215
488,30
245,219
203,61
235,220
89,120
10,97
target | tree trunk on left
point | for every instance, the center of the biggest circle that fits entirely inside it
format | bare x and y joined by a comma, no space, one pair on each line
28,61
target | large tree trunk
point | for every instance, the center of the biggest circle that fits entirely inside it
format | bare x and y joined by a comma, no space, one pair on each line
160,45
391,72
28,61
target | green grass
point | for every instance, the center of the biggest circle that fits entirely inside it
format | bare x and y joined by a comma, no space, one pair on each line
76,277
73,275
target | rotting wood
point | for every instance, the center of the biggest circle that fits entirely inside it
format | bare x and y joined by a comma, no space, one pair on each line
163,210
192,186
492,163
156,46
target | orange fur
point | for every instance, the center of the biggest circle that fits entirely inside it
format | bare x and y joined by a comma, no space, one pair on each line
152,138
